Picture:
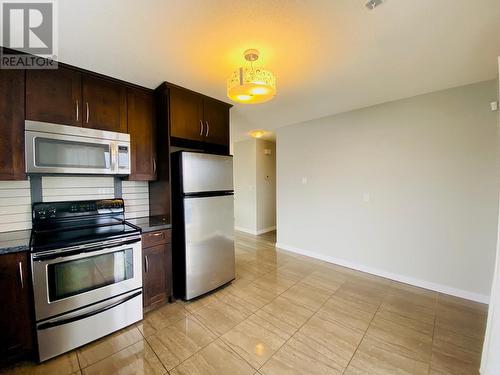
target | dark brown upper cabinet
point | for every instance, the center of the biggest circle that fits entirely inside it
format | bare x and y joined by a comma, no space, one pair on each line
141,127
104,104
12,125
15,310
186,115
54,96
216,116
197,118
69,97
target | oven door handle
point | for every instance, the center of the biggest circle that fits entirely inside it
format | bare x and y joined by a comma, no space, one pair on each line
84,250
56,323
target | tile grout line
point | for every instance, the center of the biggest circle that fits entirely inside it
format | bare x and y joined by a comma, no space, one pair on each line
78,360
433,333
293,334
106,337
156,355
253,313
364,334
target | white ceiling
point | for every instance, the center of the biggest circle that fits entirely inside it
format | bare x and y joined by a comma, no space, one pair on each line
329,56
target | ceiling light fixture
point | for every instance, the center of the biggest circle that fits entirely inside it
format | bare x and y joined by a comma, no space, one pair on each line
250,84
257,133
372,4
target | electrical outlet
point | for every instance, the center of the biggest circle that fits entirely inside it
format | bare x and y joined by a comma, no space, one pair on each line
304,180
366,197
494,106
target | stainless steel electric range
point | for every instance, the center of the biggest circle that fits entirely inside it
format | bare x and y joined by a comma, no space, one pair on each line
87,273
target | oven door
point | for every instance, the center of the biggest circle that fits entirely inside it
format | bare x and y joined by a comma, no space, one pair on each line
63,283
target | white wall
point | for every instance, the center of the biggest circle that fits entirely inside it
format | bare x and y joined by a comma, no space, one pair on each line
490,362
245,196
266,186
427,165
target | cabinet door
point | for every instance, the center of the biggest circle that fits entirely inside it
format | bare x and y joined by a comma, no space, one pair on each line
104,104
54,96
12,125
154,272
186,115
216,122
141,127
15,318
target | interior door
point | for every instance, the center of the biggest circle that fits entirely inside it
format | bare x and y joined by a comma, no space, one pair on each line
209,241
186,115
104,104
54,95
216,122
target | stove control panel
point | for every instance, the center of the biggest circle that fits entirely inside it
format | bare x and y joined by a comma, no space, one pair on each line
46,211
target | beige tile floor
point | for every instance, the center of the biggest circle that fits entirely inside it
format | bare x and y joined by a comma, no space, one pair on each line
289,314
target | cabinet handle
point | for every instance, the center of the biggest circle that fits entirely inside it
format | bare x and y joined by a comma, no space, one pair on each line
21,277
88,111
77,111
157,234
208,129
146,263
201,127
154,165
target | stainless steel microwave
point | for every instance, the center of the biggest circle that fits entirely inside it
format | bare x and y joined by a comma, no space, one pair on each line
53,148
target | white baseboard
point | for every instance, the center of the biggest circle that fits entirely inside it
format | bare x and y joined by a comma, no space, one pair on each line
266,230
389,275
246,230
255,232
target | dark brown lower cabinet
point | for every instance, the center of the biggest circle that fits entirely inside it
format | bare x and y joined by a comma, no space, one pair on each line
157,268
15,308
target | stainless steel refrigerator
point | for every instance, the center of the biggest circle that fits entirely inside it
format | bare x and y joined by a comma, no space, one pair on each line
203,222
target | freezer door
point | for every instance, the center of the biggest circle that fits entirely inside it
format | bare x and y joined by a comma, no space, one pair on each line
209,228
206,172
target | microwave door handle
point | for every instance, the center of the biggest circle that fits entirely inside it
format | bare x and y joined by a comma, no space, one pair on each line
114,168
55,323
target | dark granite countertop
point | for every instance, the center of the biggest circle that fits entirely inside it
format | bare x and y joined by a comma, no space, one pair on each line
15,241
151,223
19,240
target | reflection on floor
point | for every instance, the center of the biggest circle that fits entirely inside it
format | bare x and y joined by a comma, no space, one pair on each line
289,314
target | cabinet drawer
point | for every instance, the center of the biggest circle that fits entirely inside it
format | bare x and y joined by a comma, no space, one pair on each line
156,238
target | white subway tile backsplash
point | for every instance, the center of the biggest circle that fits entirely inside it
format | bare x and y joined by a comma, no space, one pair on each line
136,196
49,182
15,198
56,189
15,205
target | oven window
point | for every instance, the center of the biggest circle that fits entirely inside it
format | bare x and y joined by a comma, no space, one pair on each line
57,153
73,277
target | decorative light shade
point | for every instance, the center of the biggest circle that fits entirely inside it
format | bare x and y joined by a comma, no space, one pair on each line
257,133
251,84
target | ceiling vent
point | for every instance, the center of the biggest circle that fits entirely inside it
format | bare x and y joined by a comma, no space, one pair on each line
372,4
